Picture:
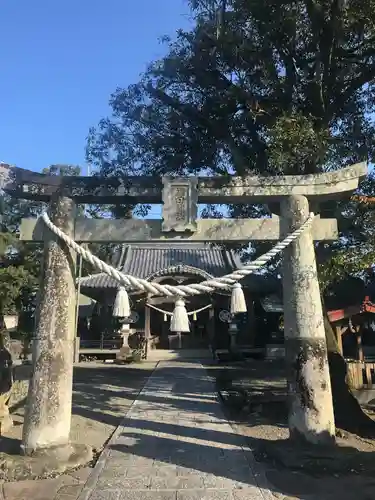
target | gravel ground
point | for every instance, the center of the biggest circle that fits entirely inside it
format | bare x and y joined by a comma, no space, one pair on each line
345,472
103,393
101,396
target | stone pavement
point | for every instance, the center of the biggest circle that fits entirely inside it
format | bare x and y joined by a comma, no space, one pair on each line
175,444
65,487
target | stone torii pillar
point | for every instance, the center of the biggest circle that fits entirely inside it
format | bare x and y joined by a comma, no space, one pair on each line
310,399
48,409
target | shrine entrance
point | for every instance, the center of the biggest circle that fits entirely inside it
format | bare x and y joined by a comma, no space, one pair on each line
197,338
210,323
200,312
172,264
289,198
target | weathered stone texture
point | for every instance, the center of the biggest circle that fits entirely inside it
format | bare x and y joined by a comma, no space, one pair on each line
311,410
137,230
48,411
180,199
146,189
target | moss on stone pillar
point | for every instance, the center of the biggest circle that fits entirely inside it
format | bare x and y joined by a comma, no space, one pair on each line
309,389
49,402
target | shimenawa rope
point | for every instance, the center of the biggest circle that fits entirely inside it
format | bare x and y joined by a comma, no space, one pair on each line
179,319
207,286
168,313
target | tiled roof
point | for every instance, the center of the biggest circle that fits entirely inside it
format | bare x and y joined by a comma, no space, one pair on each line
148,260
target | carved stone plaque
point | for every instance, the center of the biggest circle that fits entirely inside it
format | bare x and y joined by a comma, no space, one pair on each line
180,198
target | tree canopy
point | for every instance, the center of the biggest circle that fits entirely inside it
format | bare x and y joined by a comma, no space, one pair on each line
281,86
20,262
269,87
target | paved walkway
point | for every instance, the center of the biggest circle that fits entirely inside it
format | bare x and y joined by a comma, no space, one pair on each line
175,444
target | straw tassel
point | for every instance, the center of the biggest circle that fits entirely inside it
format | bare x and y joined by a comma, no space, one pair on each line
121,308
180,319
238,302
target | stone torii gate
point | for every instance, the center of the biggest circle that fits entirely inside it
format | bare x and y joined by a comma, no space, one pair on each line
48,416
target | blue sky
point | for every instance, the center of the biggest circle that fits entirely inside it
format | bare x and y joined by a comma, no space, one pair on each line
61,60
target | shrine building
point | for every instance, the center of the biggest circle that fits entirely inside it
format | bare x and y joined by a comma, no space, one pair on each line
175,264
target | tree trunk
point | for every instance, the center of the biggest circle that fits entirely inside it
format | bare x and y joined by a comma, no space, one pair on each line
349,415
